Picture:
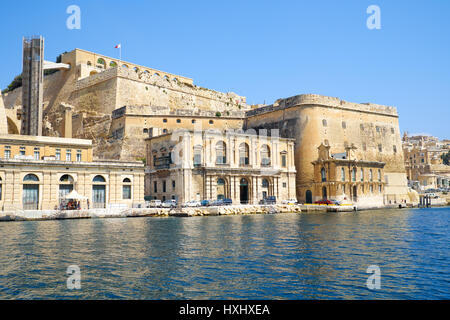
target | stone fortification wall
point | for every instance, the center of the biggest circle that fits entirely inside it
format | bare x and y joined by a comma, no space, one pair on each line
311,120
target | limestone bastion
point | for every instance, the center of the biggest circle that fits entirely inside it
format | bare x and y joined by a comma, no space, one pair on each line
81,103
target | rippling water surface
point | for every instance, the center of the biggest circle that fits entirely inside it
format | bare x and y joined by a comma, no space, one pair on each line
285,256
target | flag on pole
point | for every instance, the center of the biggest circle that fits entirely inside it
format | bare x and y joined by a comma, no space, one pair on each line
119,46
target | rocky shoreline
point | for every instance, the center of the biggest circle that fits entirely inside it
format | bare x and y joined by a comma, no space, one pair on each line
31,215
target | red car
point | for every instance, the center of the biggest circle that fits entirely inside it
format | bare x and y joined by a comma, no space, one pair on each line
323,202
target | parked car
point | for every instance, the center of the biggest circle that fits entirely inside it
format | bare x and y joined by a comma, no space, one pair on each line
154,203
169,204
290,201
268,200
205,203
218,202
336,202
227,202
327,202
192,203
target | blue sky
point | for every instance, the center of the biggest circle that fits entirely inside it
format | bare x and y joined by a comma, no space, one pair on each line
263,50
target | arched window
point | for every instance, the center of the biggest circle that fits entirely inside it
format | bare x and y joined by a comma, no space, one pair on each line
1,190
354,174
65,185
323,175
66,178
221,153
342,174
362,174
324,122
126,189
31,177
89,63
101,62
99,192
124,66
221,189
265,155
113,64
370,175
30,192
379,175
99,178
135,69
265,183
243,154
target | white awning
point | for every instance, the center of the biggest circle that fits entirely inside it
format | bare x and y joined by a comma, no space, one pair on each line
75,196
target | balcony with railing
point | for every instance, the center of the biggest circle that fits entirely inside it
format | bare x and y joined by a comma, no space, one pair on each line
265,162
162,162
221,161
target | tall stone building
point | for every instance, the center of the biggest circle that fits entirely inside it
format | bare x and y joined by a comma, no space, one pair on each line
213,164
371,130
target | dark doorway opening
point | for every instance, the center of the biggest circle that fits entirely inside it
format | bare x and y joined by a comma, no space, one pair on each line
243,188
308,196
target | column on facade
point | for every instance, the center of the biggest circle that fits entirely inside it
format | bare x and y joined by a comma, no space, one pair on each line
232,189
207,187
254,190
214,187
187,158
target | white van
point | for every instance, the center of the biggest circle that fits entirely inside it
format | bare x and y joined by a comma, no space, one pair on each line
155,203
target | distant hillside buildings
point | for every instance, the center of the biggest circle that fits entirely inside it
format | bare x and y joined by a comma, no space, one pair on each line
423,162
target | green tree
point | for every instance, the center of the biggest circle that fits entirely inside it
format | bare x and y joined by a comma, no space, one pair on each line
446,158
16,83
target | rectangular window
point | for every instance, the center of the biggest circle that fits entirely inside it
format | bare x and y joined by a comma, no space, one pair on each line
79,155
22,151
284,185
155,186
126,192
380,148
7,152
197,159
173,184
164,186
68,155
37,155
58,154
283,161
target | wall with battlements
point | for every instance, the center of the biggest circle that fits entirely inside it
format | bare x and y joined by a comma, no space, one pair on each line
96,85
313,119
